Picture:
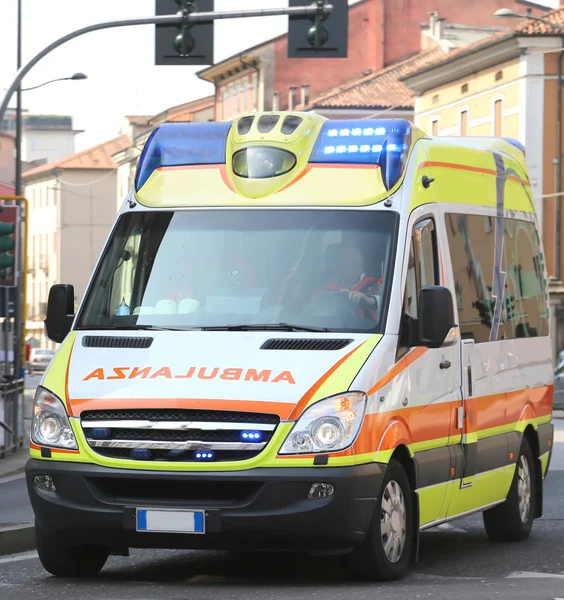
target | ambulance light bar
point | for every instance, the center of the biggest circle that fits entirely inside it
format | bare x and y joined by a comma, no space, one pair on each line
182,144
380,142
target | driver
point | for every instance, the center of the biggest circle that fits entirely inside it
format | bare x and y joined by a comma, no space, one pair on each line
347,275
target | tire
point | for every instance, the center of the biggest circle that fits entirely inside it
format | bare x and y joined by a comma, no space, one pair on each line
62,560
512,520
371,560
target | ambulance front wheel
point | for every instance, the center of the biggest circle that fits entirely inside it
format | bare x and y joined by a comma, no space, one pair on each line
63,560
512,521
385,553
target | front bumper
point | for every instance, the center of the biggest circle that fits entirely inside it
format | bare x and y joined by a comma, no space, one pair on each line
256,509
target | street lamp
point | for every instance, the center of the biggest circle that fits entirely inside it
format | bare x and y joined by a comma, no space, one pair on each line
508,13
505,13
75,77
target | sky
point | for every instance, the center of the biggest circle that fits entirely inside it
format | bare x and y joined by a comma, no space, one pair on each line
122,78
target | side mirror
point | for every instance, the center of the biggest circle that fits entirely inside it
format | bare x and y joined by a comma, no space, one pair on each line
60,312
436,315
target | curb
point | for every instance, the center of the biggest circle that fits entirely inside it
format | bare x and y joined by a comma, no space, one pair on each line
17,538
11,472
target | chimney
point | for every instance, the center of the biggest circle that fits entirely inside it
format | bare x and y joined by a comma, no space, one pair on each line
437,25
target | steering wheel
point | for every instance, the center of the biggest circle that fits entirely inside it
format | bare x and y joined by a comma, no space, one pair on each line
336,305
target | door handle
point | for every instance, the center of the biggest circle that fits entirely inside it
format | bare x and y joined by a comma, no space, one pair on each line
445,364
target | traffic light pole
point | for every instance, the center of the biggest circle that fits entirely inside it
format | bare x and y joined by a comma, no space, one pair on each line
179,19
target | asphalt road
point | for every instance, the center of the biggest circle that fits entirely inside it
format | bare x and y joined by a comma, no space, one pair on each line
456,561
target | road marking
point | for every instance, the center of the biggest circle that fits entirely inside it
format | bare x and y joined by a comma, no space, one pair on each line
532,575
450,577
12,478
18,557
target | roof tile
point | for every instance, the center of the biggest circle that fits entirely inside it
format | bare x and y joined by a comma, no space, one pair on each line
377,90
531,27
97,157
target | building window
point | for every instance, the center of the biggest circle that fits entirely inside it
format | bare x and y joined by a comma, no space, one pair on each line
238,96
436,99
464,122
276,101
255,91
499,76
223,104
246,103
292,98
305,95
498,118
435,127
464,89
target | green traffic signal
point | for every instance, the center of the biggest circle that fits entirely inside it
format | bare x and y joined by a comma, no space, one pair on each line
6,245
6,262
6,242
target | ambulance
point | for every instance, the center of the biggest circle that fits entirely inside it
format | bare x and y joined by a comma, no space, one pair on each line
302,334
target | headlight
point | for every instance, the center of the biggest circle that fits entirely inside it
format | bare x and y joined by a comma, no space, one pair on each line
329,425
50,426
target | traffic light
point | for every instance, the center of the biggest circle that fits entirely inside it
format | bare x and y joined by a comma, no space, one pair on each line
321,35
485,309
190,44
510,309
8,220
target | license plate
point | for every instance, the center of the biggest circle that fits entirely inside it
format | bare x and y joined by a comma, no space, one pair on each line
170,521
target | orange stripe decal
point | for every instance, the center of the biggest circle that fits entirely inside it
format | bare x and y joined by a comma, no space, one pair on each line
67,398
470,168
400,366
300,406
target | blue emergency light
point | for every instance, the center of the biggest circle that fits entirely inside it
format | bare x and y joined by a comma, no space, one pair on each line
251,436
182,144
381,142
204,455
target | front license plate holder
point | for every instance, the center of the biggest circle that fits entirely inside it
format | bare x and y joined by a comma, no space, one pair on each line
164,520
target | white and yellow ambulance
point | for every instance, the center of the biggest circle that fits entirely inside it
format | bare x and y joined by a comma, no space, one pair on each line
301,334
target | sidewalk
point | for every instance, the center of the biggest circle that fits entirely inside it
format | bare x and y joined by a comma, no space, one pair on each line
15,463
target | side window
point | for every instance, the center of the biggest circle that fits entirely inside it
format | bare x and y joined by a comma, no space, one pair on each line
422,270
525,309
471,240
124,275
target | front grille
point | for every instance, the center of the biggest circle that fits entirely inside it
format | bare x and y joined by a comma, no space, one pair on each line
176,435
173,414
168,456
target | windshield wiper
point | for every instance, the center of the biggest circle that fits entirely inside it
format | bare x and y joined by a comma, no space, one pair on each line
267,327
140,328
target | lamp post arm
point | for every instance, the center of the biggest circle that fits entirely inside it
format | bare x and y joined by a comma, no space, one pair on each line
23,71
46,83
178,19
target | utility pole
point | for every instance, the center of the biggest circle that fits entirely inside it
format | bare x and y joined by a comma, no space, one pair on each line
16,292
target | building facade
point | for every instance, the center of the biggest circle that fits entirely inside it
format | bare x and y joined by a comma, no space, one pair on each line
72,208
381,33
384,93
45,138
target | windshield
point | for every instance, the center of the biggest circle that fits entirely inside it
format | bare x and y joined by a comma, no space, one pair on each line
327,269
